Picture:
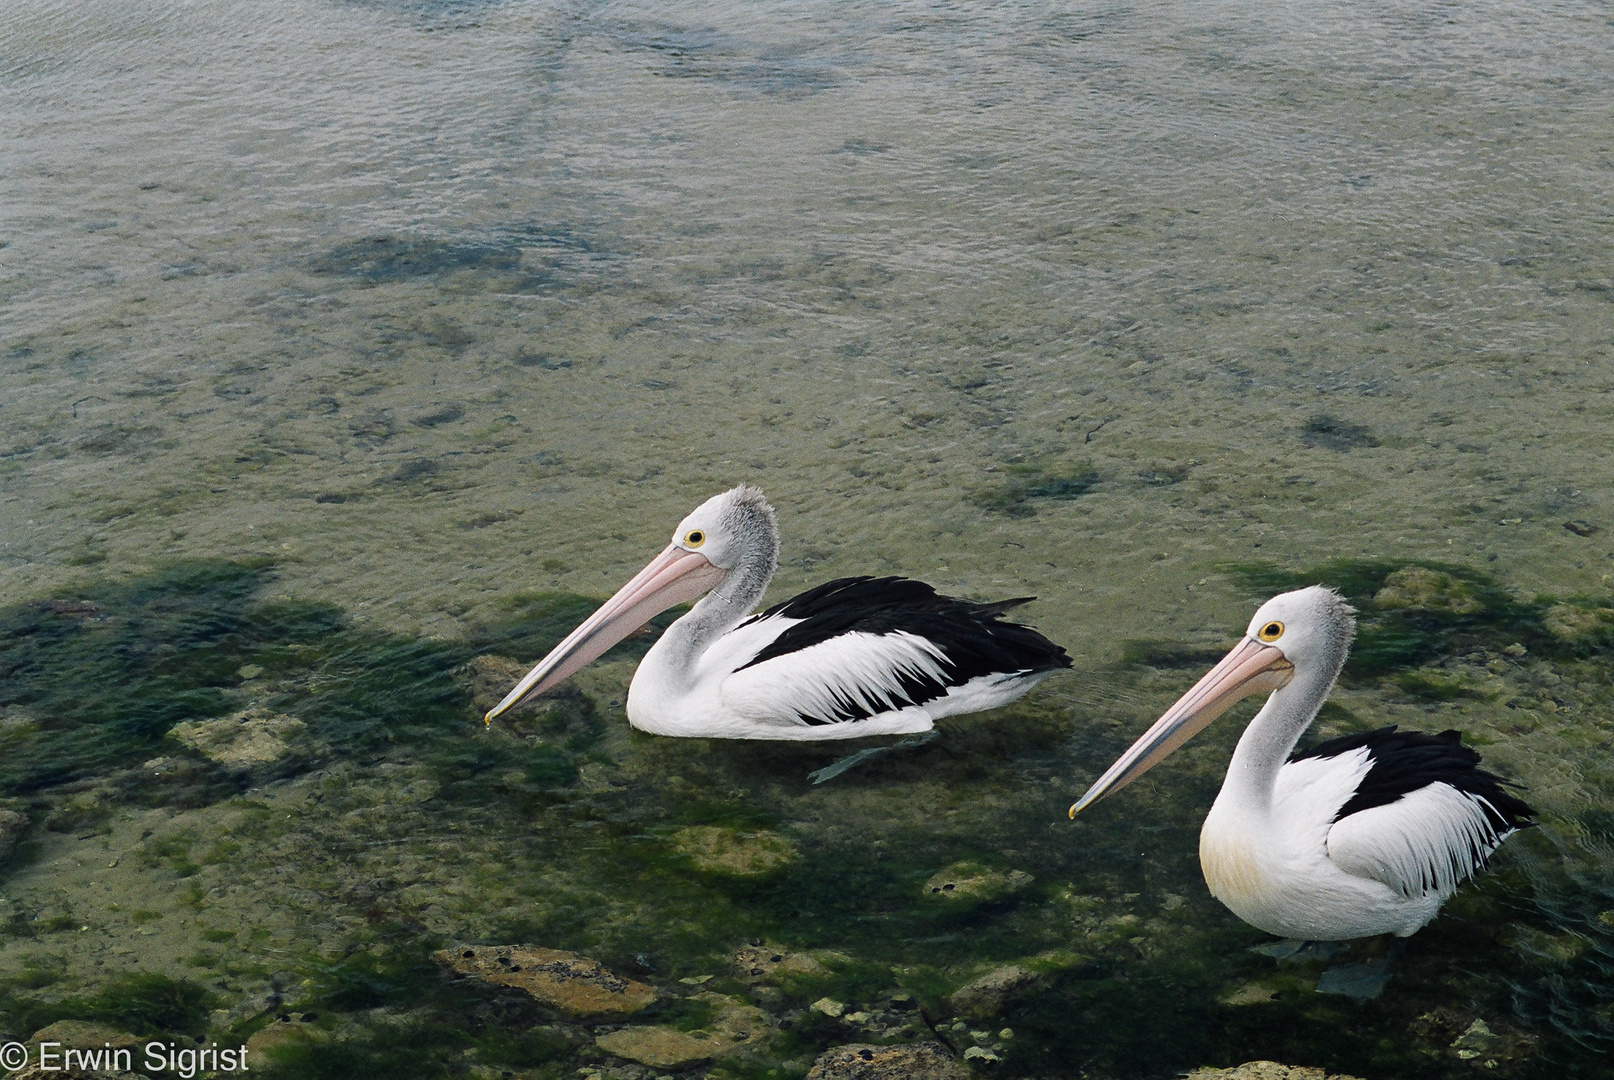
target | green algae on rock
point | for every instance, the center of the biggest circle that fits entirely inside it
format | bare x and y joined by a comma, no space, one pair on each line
736,1024
1423,588
1582,627
714,849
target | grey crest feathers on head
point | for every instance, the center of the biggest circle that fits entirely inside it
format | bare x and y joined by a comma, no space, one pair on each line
1339,612
749,514
751,497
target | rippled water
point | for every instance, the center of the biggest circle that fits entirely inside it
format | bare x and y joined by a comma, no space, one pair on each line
414,307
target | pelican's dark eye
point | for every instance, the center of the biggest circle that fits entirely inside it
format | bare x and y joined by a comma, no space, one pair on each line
695,538
1272,631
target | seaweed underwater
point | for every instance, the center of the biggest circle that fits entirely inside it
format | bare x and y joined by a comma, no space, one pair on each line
244,817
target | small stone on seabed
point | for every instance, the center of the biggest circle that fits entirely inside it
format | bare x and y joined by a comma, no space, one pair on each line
828,1006
988,995
916,1061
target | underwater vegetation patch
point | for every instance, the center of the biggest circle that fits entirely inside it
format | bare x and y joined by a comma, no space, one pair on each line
418,1047
399,258
700,53
523,257
109,672
1334,433
142,1004
398,974
1027,480
93,684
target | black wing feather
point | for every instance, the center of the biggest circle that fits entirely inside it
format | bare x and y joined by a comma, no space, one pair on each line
973,639
1401,762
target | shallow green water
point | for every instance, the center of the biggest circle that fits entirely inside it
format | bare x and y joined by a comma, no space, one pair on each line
344,343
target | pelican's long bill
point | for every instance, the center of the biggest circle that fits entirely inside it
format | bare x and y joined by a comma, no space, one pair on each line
675,576
1249,669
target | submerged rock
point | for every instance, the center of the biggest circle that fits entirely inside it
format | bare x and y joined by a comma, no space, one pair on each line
972,883
85,1035
1418,588
574,984
735,1027
1574,625
285,1029
1249,994
916,1061
1266,1070
658,1047
1477,1040
241,740
733,853
991,993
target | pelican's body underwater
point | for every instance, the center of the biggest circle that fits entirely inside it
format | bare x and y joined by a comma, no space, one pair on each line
1362,835
853,657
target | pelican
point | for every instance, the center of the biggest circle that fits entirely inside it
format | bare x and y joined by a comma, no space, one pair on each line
853,657
1362,835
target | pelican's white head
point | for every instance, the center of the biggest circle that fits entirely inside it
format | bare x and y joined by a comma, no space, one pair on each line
1304,634
1311,627
735,529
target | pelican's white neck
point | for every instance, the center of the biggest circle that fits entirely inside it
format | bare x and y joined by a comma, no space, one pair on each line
1272,735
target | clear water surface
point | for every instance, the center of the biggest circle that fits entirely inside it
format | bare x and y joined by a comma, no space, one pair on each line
343,343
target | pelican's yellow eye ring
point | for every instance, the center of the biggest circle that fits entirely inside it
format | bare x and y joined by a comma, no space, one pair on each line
694,538
1271,632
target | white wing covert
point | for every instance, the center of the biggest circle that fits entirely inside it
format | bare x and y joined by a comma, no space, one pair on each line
848,677
1428,841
